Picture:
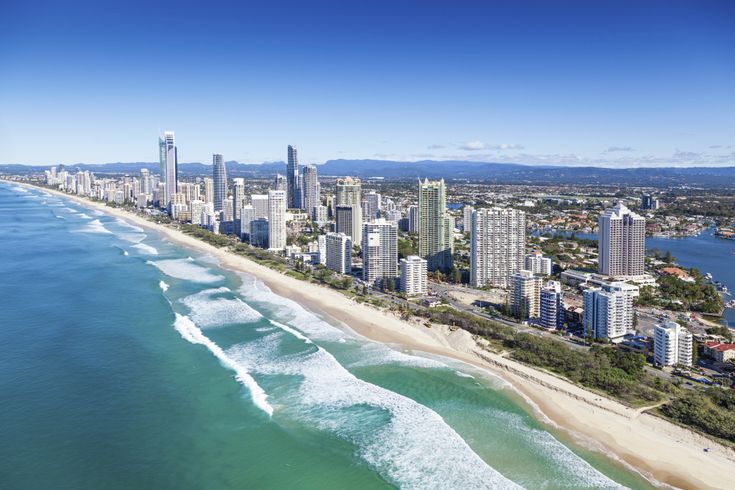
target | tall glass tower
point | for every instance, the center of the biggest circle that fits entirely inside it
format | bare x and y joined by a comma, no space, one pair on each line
168,155
292,178
220,182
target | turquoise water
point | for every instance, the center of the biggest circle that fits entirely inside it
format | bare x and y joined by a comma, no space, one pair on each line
129,362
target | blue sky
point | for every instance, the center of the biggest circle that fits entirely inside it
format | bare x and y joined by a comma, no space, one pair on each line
560,82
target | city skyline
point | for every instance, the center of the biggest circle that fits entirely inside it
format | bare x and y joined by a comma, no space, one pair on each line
605,84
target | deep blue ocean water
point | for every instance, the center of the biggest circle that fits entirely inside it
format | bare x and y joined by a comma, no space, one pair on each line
129,362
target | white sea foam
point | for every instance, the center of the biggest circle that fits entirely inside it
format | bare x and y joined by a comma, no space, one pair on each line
288,311
98,213
186,269
20,189
132,237
95,226
406,442
146,249
578,473
164,287
463,375
84,216
125,253
191,333
124,223
207,309
372,353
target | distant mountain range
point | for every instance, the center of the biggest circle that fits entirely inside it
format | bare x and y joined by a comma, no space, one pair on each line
506,173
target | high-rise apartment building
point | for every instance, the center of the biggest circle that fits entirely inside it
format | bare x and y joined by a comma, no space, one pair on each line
551,314
260,204
621,242
208,190
497,246
525,295
145,182
467,218
344,220
435,226
672,345
413,275
338,250
371,206
379,252
169,160
538,264
292,178
310,190
280,183
608,311
238,201
413,219
349,193
276,220
219,177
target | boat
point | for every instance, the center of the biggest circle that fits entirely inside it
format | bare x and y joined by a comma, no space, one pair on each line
709,274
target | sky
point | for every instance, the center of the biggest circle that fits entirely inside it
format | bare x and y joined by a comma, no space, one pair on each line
608,83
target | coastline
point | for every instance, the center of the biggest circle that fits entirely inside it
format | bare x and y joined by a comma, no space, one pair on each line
663,451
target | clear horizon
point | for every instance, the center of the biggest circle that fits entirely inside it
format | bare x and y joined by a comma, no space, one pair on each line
607,84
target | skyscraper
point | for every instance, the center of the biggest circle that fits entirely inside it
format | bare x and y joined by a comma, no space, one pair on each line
608,311
372,205
524,298
276,220
344,220
497,246
349,193
672,345
219,174
621,242
292,178
434,226
338,251
552,306
208,190
538,264
413,275
310,190
238,201
168,155
280,183
379,252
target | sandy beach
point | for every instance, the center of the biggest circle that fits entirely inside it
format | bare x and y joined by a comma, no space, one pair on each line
665,453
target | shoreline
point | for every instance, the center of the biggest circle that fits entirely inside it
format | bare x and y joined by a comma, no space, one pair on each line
661,451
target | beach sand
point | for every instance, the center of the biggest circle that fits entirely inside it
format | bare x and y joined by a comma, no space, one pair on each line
664,452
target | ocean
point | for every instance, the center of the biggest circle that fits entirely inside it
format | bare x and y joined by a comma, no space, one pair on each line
127,361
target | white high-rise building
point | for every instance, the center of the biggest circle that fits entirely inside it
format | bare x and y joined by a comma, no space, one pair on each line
276,220
310,190
672,345
260,204
379,252
497,246
169,166
524,300
621,242
552,306
349,193
608,311
371,206
538,264
467,218
238,201
219,174
413,275
247,216
320,214
434,226
208,190
338,252
321,241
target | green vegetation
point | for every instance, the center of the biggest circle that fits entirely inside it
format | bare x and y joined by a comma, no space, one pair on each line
711,411
695,296
609,370
407,246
